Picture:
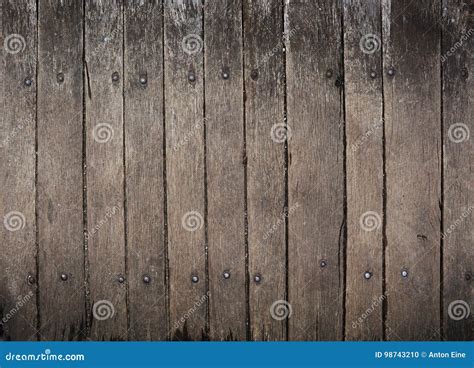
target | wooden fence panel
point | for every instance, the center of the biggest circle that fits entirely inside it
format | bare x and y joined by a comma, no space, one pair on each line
17,167
59,172
225,170
458,210
105,169
413,167
185,169
364,150
317,226
264,117
146,252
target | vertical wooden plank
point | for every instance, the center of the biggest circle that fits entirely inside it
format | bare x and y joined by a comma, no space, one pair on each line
264,116
364,142
60,191
411,47
105,172
458,235
185,168
316,170
225,169
18,313
144,170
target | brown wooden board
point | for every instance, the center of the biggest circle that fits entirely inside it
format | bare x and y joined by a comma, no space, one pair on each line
225,169
364,150
411,45
144,170
185,168
105,170
18,288
59,172
264,117
316,170
458,209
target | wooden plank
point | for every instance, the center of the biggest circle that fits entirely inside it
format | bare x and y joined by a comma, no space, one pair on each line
316,170
225,170
59,172
18,313
364,159
411,47
458,235
264,116
61,257
105,171
185,168
144,170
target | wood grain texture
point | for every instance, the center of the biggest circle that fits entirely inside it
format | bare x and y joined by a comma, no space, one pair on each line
458,210
264,107
185,164
316,170
413,167
60,191
18,312
105,171
144,170
225,169
364,150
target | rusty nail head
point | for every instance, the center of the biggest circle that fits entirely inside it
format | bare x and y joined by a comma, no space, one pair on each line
64,277
191,77
254,74
31,279
146,279
226,274
373,74
323,263
121,279
329,73
194,279
404,273
115,76
28,82
60,77
143,79
391,71
257,278
367,275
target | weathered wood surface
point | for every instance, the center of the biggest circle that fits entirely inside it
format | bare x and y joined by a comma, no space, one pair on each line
225,170
144,181
233,170
364,152
458,209
17,172
185,169
412,112
264,70
317,224
105,170
59,210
